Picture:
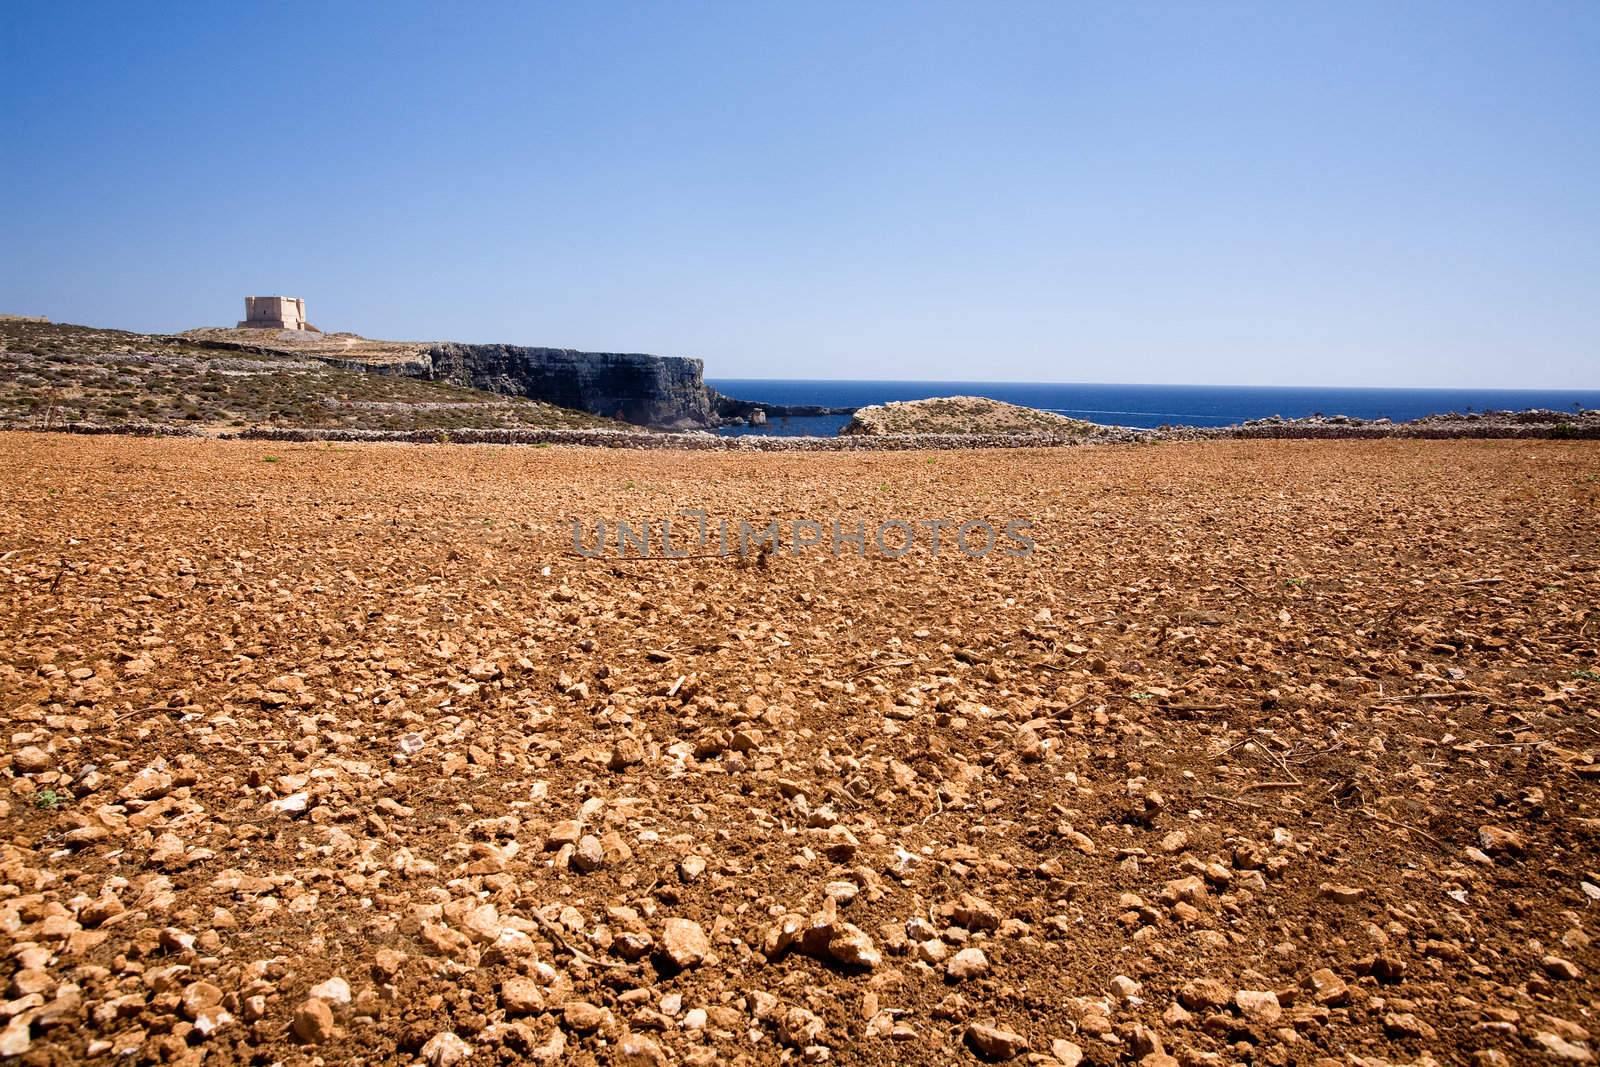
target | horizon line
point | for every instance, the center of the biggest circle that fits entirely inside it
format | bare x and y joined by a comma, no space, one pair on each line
1178,385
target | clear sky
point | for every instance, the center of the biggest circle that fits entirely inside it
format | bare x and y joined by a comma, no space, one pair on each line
1340,193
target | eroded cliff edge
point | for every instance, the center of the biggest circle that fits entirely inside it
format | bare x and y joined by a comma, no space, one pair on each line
661,392
666,392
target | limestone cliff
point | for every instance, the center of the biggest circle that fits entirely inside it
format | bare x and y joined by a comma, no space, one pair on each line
666,392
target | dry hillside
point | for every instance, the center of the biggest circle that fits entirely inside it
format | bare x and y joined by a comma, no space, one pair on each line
53,375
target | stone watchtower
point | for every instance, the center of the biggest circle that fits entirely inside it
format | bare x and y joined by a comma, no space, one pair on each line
274,313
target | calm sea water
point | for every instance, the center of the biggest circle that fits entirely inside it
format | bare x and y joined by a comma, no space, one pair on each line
1141,405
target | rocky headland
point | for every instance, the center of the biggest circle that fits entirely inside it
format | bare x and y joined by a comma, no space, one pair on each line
658,392
962,415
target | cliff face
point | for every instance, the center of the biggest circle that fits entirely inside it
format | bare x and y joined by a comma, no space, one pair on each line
666,392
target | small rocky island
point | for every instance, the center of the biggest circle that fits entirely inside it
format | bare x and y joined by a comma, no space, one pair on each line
962,415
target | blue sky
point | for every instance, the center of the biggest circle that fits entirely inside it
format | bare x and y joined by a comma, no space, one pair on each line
1342,193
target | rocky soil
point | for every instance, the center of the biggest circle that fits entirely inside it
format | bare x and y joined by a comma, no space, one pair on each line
1271,753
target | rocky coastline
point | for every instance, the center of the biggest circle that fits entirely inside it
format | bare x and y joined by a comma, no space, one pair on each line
291,385
658,392
729,411
669,393
1530,424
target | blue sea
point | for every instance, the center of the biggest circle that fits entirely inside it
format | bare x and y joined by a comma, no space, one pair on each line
1140,405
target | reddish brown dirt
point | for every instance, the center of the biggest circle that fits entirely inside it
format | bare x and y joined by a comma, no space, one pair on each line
1272,752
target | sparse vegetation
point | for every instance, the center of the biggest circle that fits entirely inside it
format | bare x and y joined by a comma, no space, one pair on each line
53,375
963,415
